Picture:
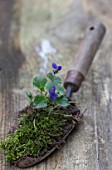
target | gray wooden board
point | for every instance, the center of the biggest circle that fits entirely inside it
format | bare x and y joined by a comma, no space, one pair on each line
25,26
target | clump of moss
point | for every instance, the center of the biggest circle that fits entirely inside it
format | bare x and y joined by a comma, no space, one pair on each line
36,132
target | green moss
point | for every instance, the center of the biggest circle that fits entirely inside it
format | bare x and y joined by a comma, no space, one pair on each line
35,133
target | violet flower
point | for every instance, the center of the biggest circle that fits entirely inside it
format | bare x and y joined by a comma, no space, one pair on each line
52,94
58,68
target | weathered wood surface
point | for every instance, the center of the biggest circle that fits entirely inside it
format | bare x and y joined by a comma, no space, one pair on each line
24,26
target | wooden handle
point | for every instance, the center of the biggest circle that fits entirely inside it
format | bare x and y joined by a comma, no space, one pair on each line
93,38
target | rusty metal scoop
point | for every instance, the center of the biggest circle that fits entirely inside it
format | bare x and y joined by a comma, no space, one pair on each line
93,38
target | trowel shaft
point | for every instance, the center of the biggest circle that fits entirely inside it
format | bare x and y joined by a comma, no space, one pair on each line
82,62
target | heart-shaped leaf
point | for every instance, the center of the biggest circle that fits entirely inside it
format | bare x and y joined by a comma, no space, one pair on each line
50,76
57,79
40,82
62,101
40,101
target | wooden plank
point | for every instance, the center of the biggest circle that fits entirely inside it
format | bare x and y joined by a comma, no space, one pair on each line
25,27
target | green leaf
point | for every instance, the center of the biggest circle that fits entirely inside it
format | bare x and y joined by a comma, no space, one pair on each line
40,82
60,89
62,101
40,101
30,96
50,76
54,78
48,86
57,79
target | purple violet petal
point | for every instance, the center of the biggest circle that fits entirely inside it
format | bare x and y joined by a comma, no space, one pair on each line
51,91
52,94
52,98
56,95
54,66
59,67
54,88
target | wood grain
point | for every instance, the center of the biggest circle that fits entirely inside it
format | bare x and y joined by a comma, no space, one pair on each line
24,26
